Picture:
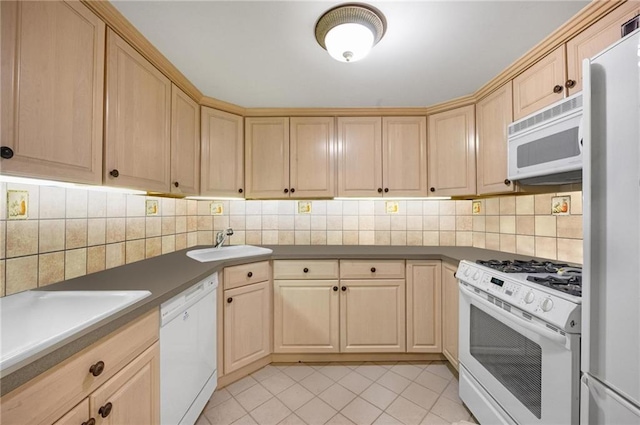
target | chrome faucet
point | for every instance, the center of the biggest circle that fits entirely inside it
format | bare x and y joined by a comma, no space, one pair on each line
221,236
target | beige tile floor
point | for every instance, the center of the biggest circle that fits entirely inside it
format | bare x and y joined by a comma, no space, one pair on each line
340,393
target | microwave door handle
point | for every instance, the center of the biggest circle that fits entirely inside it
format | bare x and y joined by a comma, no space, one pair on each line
555,337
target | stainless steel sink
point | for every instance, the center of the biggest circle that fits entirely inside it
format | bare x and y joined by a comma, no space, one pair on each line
32,321
227,253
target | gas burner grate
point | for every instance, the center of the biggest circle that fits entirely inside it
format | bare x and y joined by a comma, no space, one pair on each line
519,266
569,285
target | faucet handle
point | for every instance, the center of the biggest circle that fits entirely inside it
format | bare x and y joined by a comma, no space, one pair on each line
229,231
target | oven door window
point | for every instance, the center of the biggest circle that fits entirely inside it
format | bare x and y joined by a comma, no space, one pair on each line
514,360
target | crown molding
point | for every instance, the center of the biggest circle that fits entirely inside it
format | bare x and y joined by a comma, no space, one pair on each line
222,106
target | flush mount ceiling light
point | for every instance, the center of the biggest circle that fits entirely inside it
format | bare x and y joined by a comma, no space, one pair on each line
349,31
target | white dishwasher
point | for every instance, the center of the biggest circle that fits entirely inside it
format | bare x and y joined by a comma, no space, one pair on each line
188,374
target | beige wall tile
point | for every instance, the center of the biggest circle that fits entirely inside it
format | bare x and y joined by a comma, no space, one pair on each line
318,237
205,222
492,223
569,226
204,208
286,222
153,246
21,274
525,205
52,202
236,222
168,225
430,238
545,226
478,223
97,204
77,203
286,237
75,263
414,222
205,237
492,241
270,237
350,237
181,223
3,205
525,225
192,223
168,207
254,222
254,237
463,207
399,222
137,206
350,208
238,238
181,241
413,207
546,247
114,255
492,206
192,239
287,207
507,205
430,208
447,238
576,203
383,222
430,223
542,203
116,230
508,224
447,207
51,235
447,223
382,237
507,243
525,245
116,205
398,237
22,238
96,256
366,237
192,207
334,207
479,240
464,238
570,250
270,207
334,237
96,231
302,222
181,207
414,237
50,268
135,251
464,223
76,231
221,222
270,222
3,267
350,222
317,208
318,222
253,207
154,226
368,208
3,238
168,244
366,222
237,207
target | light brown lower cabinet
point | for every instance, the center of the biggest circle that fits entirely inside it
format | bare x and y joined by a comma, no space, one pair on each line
247,325
424,288
77,415
450,313
372,316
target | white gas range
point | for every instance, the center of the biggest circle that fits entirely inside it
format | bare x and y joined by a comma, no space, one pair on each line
519,343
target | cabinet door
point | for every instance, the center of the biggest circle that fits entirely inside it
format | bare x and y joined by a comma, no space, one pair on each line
372,316
541,85
450,313
360,156
76,416
138,120
52,85
267,157
424,327
312,157
222,154
306,316
247,325
594,39
494,113
452,153
185,143
404,156
133,393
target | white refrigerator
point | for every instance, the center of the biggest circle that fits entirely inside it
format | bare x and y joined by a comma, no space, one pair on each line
610,385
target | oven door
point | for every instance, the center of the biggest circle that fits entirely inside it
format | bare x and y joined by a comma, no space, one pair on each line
532,372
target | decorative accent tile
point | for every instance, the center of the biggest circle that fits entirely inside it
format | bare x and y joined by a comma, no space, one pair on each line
561,205
152,207
391,207
304,207
216,208
17,204
476,207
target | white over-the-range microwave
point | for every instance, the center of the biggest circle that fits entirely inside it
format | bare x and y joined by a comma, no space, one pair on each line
546,147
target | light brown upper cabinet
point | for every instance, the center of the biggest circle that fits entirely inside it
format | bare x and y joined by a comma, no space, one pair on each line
382,156
593,40
494,113
185,143
222,154
52,88
290,157
541,85
452,153
138,120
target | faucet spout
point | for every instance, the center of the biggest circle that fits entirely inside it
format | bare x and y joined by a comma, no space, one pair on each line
221,236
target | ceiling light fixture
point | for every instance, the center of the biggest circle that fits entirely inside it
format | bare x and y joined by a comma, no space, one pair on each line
349,31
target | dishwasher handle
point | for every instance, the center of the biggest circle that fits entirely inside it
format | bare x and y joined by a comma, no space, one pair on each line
173,308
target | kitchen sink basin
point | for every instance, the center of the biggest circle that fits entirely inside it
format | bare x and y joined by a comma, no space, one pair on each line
33,321
227,253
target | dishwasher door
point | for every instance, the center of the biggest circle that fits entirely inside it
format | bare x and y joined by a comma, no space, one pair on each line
187,349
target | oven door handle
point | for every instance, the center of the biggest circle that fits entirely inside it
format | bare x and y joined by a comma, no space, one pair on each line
555,337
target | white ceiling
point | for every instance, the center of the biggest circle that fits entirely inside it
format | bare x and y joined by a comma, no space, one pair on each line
264,53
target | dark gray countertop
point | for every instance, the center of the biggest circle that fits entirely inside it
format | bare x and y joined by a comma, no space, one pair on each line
168,275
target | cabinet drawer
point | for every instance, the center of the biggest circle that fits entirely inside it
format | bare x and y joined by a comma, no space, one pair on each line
305,269
374,269
50,395
246,274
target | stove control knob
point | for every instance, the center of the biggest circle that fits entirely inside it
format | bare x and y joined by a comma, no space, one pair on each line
529,297
476,275
467,271
547,304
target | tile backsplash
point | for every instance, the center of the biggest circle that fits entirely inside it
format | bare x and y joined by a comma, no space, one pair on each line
73,232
